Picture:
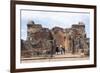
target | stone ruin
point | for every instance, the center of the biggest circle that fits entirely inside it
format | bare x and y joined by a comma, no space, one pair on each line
43,41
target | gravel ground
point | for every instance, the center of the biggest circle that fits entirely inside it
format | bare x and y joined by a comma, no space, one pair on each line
66,57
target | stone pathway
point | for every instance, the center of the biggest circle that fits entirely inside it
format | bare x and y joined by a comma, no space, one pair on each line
67,55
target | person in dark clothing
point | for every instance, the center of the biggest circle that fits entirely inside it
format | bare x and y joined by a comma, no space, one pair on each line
57,50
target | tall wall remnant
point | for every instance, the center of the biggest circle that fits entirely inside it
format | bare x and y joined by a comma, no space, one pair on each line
44,40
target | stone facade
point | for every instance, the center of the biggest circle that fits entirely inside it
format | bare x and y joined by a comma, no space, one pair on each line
44,41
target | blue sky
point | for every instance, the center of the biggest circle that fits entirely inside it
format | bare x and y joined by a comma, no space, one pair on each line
50,19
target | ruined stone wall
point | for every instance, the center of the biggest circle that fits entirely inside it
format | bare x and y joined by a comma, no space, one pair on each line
72,39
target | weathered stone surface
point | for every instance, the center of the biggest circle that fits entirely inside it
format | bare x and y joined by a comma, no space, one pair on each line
42,40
